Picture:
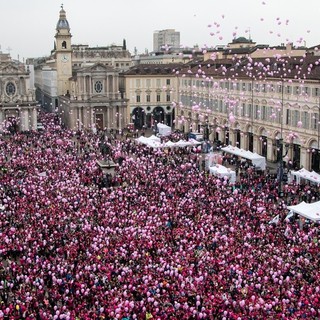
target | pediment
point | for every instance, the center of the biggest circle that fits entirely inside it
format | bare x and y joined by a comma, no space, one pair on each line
9,69
98,67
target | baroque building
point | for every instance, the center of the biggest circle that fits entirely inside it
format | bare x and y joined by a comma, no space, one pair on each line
82,84
18,106
267,105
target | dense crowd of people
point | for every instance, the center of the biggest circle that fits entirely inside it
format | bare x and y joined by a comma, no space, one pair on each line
161,239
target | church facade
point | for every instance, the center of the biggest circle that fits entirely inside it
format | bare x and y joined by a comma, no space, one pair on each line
18,106
81,85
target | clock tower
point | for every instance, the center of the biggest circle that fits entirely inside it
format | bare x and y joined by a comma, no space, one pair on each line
63,53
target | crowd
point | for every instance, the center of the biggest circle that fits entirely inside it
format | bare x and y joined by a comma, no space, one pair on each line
162,240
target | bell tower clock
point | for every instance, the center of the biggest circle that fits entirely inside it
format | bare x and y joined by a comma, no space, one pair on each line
63,53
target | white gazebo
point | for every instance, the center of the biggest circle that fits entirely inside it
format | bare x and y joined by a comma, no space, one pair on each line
310,211
258,161
221,171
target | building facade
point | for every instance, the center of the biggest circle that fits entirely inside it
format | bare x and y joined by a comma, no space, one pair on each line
166,40
82,84
262,105
114,56
151,90
94,101
18,106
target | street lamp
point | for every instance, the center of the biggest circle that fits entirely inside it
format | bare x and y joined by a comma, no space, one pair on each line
280,158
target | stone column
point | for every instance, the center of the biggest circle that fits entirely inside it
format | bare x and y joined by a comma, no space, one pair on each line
23,114
92,120
1,120
270,149
305,158
34,119
108,117
120,115
256,141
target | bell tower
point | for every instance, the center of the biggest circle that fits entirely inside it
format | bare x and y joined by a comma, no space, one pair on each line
63,53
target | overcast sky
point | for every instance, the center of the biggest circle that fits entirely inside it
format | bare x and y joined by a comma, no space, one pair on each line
28,26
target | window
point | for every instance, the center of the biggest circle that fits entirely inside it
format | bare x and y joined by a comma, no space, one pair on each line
243,110
168,97
314,122
215,105
168,82
256,112
249,113
305,119
10,89
243,86
225,107
158,82
137,83
148,97
158,97
295,117
148,83
297,90
279,88
288,90
138,98
287,117
316,92
98,86
264,113
250,86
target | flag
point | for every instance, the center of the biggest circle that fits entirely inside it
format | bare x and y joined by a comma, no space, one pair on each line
287,232
289,215
275,220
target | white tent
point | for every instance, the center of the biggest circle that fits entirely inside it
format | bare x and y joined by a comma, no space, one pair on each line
220,171
182,143
170,144
155,138
257,160
305,174
163,129
155,142
151,142
310,211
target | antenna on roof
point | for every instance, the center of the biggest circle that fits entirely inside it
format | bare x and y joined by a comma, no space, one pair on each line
61,5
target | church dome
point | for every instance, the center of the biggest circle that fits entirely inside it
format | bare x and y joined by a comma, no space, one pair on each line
241,40
63,22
